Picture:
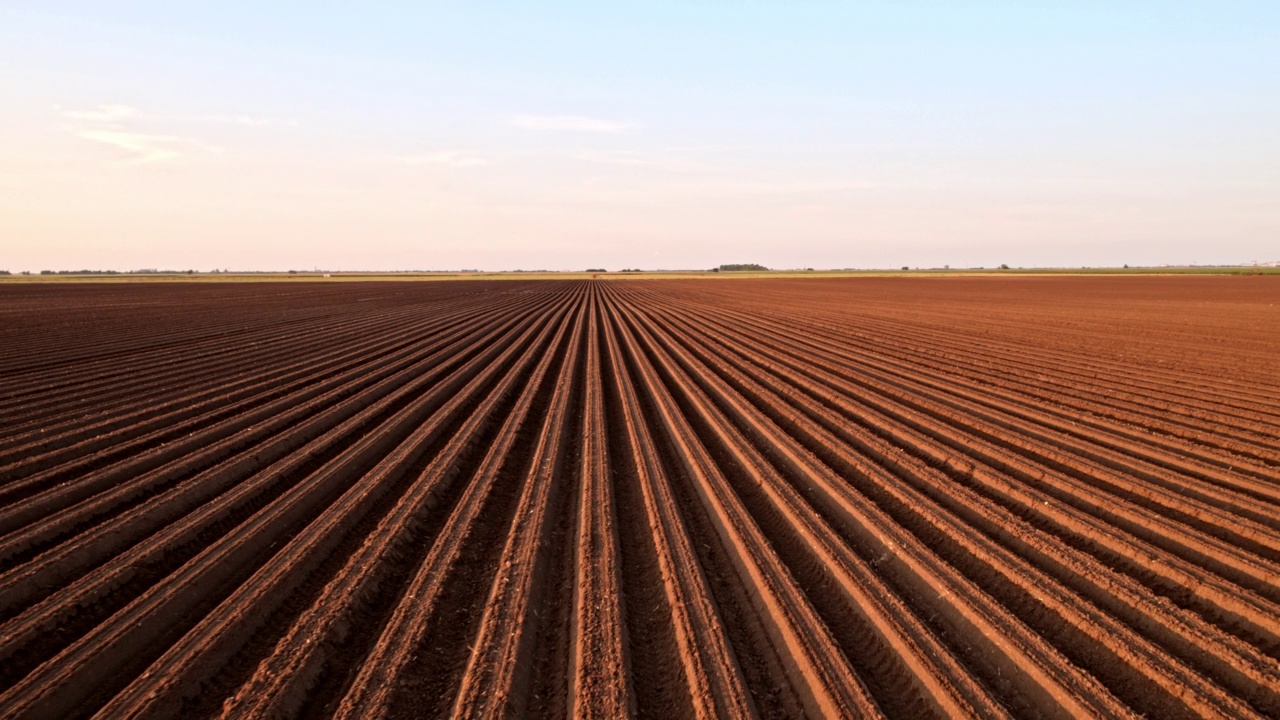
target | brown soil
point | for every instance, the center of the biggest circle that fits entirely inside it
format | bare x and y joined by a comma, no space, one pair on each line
942,497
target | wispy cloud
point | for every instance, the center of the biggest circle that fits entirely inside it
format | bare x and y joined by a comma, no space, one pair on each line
146,148
452,158
102,114
573,123
120,113
128,129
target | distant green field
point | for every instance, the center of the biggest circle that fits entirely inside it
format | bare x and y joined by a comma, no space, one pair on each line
658,274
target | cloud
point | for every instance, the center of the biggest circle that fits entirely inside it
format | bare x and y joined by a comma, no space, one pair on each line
146,148
103,114
573,123
120,113
452,158
118,126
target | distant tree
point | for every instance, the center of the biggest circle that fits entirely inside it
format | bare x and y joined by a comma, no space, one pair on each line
596,270
1003,266
904,267
743,267
1126,266
5,272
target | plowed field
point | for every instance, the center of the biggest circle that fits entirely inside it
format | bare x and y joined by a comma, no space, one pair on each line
946,497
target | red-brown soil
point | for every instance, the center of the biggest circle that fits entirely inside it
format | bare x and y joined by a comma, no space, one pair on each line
942,497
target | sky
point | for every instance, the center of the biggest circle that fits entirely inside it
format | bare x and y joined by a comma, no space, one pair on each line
498,136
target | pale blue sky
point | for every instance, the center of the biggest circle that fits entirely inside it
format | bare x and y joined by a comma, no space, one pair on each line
673,135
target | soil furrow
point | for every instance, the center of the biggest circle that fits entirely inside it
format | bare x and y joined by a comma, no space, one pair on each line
730,497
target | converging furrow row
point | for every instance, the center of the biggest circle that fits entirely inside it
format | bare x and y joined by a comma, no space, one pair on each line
729,498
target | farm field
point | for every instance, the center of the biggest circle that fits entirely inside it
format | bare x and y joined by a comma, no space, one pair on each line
823,497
